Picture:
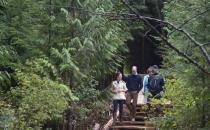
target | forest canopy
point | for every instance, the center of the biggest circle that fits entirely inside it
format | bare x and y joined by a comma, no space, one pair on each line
58,57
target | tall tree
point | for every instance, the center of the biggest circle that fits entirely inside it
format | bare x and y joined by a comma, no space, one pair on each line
53,46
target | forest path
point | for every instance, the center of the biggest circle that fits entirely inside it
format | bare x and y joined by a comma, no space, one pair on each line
144,112
139,124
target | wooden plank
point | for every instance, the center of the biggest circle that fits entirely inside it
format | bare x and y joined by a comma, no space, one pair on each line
138,118
133,127
141,113
145,123
130,123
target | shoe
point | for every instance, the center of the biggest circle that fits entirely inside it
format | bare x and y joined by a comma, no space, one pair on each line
120,118
133,119
114,118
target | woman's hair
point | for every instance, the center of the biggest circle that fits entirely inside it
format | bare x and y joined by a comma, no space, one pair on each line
150,69
118,74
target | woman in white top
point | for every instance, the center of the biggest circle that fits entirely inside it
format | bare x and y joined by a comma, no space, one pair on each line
118,88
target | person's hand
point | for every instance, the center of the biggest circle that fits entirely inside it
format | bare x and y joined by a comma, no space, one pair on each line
161,93
141,92
146,93
118,90
121,90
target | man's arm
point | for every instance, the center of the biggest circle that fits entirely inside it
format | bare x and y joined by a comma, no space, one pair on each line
162,83
140,84
125,78
124,88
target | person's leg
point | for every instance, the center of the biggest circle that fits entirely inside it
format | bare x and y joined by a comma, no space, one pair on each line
135,98
155,95
145,99
115,105
132,108
128,102
121,102
158,108
149,97
158,96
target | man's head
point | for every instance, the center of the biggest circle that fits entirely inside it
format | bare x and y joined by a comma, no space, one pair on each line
134,70
156,69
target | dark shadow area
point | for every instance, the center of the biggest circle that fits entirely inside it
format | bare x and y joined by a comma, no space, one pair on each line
143,51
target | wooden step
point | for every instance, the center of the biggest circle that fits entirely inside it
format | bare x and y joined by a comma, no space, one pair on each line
133,127
140,109
141,123
141,113
140,105
130,123
155,105
138,118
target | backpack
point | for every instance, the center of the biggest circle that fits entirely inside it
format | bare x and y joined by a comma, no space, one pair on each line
154,83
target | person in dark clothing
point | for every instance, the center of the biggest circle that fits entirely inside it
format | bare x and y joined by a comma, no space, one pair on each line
134,85
156,83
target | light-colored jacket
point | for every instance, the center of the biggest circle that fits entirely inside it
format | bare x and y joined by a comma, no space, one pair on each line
119,89
145,83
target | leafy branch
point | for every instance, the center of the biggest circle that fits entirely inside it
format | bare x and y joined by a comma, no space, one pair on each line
170,45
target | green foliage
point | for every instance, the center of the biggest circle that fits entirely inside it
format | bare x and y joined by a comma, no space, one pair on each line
5,79
38,100
42,67
93,104
187,87
6,116
52,48
7,55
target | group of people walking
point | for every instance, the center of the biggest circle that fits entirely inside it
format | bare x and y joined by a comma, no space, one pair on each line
127,88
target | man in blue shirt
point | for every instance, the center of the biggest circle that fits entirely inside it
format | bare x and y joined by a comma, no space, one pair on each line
134,85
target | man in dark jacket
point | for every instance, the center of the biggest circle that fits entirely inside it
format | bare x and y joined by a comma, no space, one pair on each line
134,85
156,83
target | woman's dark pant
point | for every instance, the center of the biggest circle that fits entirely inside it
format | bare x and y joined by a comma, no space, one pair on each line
118,104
